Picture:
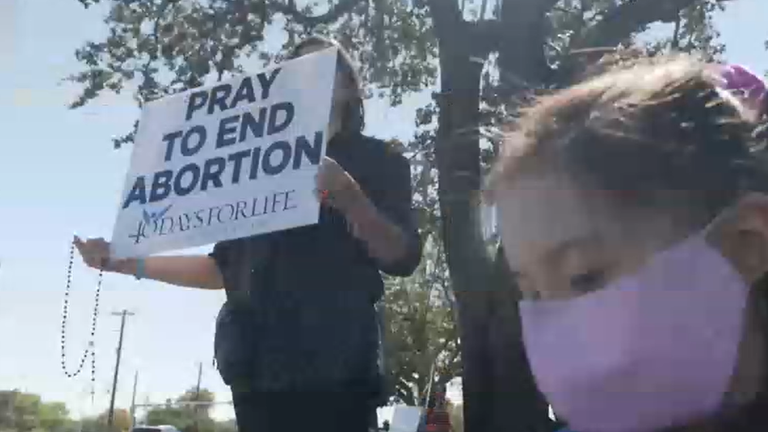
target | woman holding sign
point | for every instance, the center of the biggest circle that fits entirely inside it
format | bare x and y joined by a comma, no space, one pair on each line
297,339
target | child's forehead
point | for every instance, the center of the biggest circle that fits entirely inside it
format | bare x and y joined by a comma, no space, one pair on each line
539,213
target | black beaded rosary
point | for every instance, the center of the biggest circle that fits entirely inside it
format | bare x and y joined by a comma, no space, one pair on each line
90,349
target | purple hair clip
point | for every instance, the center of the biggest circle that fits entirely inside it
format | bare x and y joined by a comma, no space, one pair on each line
746,86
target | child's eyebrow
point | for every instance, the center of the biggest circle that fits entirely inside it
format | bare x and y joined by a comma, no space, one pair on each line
555,253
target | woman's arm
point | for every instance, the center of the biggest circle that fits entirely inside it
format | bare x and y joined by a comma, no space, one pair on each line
386,241
387,226
191,271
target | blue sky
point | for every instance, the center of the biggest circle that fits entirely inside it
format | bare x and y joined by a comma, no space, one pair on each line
59,175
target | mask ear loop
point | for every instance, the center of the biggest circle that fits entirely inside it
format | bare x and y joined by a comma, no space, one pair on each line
712,224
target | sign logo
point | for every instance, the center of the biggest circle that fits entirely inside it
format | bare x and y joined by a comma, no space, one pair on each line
150,219
161,224
154,217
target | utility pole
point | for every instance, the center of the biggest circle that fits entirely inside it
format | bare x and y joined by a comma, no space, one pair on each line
196,409
199,379
133,399
111,419
429,384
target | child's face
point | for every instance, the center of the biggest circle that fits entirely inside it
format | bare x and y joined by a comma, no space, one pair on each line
562,241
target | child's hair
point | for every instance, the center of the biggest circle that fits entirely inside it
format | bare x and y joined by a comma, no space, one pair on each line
639,130
597,61
354,114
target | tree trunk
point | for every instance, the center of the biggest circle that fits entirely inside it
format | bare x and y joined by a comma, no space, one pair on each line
458,161
499,392
517,403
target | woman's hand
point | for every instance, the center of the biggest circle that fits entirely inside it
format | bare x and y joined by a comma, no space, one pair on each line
386,241
336,188
95,253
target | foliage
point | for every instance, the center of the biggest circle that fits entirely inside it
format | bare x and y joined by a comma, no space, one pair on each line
694,31
186,418
421,335
91,424
420,311
160,47
121,421
54,416
204,395
26,412
226,426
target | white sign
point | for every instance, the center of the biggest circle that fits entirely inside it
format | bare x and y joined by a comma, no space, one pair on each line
405,419
231,160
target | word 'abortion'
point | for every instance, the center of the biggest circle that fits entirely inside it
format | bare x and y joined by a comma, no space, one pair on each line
230,169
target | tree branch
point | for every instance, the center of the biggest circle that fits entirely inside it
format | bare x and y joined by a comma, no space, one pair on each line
447,19
621,21
488,36
483,8
523,32
335,12
489,33
675,42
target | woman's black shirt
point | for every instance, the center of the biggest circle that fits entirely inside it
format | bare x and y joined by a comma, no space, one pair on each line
300,310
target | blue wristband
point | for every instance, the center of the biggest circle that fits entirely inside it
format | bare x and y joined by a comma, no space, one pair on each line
139,269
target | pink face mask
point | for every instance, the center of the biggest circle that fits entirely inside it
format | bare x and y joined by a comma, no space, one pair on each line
649,351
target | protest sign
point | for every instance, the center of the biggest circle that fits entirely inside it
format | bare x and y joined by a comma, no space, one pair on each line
405,419
231,160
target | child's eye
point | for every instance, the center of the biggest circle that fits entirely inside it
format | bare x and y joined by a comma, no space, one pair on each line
588,281
531,295
523,286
